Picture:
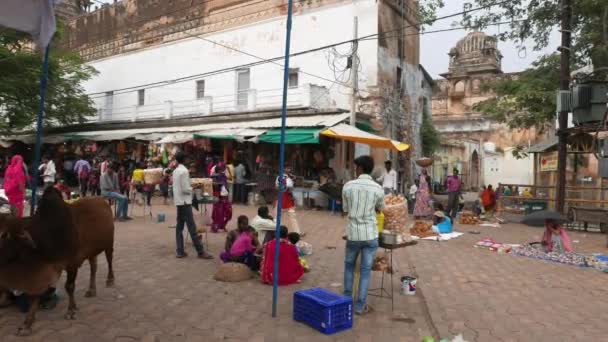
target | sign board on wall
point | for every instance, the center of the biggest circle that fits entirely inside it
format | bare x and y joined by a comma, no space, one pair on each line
548,161
362,150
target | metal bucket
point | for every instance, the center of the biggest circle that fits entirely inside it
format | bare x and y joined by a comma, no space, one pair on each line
408,285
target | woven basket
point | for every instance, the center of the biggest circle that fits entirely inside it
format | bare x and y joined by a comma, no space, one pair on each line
233,272
424,162
153,176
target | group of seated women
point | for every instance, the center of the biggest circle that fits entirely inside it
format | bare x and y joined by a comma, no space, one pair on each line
243,245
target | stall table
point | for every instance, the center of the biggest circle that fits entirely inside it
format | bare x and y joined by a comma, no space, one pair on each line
382,291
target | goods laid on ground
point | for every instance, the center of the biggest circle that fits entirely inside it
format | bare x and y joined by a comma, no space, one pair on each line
395,217
599,262
422,229
153,176
205,184
537,252
233,272
467,217
493,246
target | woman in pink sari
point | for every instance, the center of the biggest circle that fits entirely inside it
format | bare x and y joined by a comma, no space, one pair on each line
422,207
555,238
14,184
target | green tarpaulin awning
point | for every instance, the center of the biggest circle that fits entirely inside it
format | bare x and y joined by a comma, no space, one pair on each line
292,136
213,136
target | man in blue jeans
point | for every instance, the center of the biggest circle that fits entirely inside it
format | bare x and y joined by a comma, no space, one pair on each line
361,199
182,198
108,183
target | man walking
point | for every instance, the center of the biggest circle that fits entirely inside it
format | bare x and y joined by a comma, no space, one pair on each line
182,197
361,199
108,183
240,189
48,172
389,180
453,185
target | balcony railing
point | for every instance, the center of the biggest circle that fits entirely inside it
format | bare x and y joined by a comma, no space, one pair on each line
307,95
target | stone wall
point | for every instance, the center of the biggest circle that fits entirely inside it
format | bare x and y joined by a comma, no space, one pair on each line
131,25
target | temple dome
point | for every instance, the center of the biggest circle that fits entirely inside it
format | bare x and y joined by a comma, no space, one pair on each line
476,52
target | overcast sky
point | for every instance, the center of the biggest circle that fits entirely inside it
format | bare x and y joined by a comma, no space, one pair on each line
434,47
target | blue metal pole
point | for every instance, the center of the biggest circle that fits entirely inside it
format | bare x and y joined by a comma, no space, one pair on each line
43,84
275,277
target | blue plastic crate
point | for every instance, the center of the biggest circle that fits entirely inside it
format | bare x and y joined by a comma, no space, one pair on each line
323,310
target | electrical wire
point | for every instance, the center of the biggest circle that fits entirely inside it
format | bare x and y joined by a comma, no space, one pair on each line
274,59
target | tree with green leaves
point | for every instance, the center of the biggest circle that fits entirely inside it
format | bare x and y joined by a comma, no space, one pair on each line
528,100
20,68
429,135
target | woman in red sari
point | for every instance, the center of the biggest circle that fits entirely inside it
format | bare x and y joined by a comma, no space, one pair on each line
290,269
14,184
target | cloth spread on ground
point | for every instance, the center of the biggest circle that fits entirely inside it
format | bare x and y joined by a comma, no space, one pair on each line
441,237
494,246
537,252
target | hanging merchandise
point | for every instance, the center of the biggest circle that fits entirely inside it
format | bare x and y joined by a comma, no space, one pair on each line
121,148
165,160
78,150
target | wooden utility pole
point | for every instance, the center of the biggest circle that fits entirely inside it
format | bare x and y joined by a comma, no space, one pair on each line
564,80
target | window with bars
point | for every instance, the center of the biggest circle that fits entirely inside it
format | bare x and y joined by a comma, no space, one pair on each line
200,89
141,97
242,86
294,78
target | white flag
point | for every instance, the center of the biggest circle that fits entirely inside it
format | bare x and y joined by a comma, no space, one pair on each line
37,17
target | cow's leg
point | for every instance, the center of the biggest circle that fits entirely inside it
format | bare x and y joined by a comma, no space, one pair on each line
70,286
5,299
92,292
30,317
109,255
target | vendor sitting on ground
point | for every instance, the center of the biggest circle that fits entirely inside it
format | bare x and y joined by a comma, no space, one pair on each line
442,224
264,223
241,245
555,238
290,270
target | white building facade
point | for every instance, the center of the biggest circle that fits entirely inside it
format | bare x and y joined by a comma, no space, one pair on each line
171,66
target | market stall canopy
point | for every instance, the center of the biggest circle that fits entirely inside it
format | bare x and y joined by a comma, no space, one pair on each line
176,138
350,133
239,134
292,136
240,130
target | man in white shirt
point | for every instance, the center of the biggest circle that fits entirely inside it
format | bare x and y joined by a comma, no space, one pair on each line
411,199
263,223
389,180
361,199
48,172
182,198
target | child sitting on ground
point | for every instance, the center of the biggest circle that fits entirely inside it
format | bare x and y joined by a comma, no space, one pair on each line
294,238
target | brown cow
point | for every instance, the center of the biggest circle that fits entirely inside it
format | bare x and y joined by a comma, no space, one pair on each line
95,224
34,251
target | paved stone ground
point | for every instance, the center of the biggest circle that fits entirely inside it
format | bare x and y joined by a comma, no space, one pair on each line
485,296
